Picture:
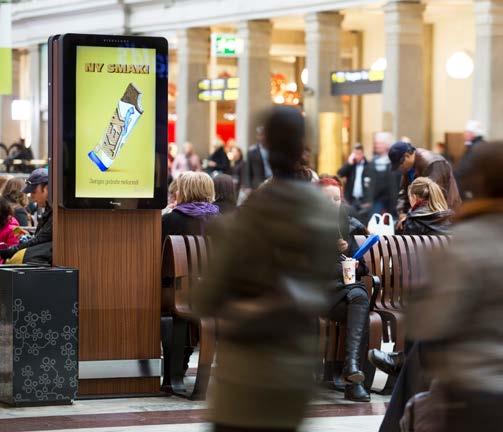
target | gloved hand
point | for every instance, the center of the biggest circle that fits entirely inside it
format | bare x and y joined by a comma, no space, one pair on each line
8,253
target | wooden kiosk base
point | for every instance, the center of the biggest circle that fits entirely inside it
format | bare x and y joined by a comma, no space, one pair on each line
118,254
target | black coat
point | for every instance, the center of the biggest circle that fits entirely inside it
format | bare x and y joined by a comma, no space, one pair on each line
385,185
221,160
43,233
255,171
239,173
225,206
178,223
22,216
348,171
463,167
422,221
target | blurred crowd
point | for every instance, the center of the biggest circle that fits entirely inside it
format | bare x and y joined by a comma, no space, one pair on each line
282,233
25,219
378,185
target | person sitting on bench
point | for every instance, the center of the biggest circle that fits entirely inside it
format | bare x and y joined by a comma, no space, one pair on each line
349,303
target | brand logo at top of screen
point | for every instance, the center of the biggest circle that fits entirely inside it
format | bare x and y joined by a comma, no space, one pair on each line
117,68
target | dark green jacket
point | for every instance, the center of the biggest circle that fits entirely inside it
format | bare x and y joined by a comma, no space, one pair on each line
268,283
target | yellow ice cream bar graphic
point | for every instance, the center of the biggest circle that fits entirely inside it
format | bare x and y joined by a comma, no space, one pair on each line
126,115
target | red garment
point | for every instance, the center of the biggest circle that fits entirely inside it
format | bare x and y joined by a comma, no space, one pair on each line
7,236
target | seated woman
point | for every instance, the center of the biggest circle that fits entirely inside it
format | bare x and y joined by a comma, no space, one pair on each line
194,208
349,304
13,192
429,213
172,189
7,225
225,193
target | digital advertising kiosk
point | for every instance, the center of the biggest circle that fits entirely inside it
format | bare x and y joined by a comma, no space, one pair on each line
108,168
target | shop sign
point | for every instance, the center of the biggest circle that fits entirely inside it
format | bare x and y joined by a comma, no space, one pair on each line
224,45
357,82
217,90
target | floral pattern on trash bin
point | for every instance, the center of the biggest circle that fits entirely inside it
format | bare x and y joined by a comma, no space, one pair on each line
46,353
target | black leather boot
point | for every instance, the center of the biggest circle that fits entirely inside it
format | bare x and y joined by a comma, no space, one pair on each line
358,315
339,383
356,393
390,363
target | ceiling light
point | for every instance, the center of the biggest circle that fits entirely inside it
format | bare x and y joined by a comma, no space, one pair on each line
459,65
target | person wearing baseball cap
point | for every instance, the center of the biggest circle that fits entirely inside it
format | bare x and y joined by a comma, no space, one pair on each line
38,249
39,177
418,162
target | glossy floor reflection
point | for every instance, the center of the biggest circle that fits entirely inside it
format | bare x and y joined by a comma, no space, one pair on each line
328,412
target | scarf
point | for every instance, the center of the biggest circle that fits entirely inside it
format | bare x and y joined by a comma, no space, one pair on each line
201,210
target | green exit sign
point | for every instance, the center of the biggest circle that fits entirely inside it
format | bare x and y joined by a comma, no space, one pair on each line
224,45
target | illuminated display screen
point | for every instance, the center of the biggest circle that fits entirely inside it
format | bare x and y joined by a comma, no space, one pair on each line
115,122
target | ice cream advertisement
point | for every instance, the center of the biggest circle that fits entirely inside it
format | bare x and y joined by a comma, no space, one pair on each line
115,124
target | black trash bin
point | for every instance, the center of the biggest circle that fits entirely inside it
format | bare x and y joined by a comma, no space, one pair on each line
38,335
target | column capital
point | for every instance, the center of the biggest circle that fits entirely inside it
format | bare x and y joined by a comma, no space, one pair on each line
194,43
255,26
317,20
403,9
489,17
403,21
255,37
323,29
194,35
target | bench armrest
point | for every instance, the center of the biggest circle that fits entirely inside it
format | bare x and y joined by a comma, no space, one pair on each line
374,282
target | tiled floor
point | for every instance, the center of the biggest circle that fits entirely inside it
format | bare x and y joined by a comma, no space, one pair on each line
328,413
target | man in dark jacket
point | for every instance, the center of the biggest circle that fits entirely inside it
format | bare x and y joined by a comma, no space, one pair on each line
358,188
420,162
258,168
385,182
474,135
39,248
218,162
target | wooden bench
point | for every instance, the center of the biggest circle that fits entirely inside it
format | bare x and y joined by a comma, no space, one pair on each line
396,261
184,260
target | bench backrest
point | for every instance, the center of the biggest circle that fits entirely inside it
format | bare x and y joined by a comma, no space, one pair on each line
397,260
184,261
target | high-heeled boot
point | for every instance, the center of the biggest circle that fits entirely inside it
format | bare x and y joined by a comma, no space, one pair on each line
357,321
356,393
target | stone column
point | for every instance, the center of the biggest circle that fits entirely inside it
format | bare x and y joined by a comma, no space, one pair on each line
193,116
488,77
254,71
403,90
323,46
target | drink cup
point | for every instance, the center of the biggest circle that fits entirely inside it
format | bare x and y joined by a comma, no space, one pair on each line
349,271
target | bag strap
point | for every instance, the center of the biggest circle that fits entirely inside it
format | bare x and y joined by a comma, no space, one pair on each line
388,217
378,218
